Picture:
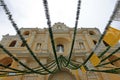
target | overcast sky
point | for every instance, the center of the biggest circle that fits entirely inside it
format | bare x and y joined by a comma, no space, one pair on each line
30,13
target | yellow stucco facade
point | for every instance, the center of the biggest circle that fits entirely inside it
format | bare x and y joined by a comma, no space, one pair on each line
39,41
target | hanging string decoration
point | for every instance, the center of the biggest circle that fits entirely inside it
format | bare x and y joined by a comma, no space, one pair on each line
62,61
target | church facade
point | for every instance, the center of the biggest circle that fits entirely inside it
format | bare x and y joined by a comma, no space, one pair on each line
39,42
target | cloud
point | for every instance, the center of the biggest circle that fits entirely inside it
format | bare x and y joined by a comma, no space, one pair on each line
30,13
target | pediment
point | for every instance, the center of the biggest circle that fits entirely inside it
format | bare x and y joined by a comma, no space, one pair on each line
60,27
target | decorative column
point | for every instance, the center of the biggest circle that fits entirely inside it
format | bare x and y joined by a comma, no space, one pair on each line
31,38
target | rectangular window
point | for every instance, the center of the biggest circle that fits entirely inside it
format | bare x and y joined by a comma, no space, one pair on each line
11,74
81,45
38,46
23,45
60,48
13,43
95,42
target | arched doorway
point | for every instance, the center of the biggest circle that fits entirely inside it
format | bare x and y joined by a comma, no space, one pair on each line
60,48
62,45
62,75
6,61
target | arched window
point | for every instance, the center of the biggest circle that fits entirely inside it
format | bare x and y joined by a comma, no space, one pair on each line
91,33
23,45
81,45
7,61
105,44
26,33
60,48
38,46
13,43
95,42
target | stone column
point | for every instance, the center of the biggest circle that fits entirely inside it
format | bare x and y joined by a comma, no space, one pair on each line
31,38
89,41
81,74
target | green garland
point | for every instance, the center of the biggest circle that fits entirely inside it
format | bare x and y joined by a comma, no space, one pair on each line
19,33
50,30
75,30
